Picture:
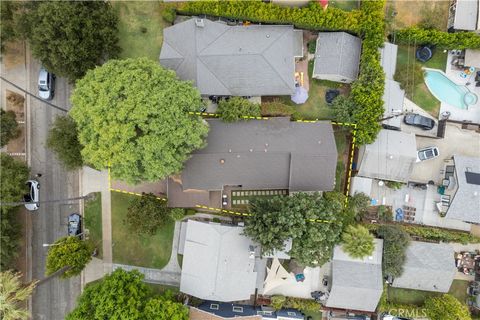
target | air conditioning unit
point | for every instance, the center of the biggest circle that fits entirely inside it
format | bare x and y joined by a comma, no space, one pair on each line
200,23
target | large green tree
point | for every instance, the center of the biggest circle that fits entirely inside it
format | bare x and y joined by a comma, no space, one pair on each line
71,253
14,174
146,214
8,126
395,243
8,15
237,108
71,37
446,307
134,116
312,221
123,295
63,140
10,233
358,242
13,295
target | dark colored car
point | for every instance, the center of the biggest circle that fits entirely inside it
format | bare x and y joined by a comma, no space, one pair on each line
417,120
74,224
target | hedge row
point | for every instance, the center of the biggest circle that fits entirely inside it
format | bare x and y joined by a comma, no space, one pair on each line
367,91
433,234
444,40
311,17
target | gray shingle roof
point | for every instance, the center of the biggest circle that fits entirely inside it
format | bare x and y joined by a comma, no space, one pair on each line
391,157
465,204
250,60
356,283
428,267
466,15
337,53
264,154
216,263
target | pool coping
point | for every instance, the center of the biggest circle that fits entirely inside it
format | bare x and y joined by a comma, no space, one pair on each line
454,82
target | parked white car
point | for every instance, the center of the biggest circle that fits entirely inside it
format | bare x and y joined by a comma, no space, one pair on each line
33,195
427,153
46,84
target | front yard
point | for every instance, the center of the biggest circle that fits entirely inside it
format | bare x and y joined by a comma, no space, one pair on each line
138,250
418,92
93,221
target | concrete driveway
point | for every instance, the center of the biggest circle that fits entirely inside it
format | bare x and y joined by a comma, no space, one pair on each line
456,141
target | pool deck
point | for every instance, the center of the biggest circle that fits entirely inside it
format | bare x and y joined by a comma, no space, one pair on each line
472,113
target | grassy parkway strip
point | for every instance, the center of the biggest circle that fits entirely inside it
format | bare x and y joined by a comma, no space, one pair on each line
219,210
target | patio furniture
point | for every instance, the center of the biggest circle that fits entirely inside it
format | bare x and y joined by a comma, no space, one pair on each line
399,216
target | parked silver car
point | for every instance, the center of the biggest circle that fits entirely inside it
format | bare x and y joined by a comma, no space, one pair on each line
33,195
427,153
46,84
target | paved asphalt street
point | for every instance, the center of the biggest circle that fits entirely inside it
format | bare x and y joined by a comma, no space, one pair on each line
53,299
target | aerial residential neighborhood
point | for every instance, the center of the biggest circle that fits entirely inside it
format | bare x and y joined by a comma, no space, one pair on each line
209,160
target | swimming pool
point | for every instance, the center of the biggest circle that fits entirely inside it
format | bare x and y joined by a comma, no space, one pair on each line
447,91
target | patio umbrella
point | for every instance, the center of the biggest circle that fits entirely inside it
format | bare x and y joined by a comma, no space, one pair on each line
300,95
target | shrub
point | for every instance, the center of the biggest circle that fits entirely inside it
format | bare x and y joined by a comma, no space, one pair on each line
177,213
169,14
385,214
311,17
395,185
237,108
358,242
63,140
9,127
446,307
277,302
395,243
304,305
343,108
146,214
444,40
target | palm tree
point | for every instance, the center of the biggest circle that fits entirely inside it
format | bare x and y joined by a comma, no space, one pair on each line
12,294
358,242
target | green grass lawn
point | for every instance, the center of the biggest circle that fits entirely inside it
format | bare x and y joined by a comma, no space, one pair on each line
93,221
341,142
315,315
345,4
140,28
138,250
417,297
421,95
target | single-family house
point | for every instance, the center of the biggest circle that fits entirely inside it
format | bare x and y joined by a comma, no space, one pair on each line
357,284
240,60
218,262
214,310
465,192
466,15
428,267
393,95
263,155
391,157
337,57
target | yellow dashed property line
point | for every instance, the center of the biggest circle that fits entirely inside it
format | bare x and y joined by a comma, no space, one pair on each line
208,114
134,193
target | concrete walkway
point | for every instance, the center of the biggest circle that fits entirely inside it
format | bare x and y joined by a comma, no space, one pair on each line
97,181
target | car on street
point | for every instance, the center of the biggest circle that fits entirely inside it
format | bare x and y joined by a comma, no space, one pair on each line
417,120
46,84
33,195
427,153
74,224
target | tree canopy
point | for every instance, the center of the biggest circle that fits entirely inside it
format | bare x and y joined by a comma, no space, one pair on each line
9,127
14,174
358,242
123,295
71,252
395,243
237,108
71,37
134,116
63,140
10,233
446,307
146,214
13,294
278,219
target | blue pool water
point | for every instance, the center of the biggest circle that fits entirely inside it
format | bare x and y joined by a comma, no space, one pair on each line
447,91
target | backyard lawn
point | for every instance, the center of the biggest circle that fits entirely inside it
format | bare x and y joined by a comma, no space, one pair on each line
417,297
138,250
421,95
93,221
432,13
140,28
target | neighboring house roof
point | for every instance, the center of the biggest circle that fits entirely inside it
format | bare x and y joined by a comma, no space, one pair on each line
466,15
428,267
472,58
264,154
252,60
393,95
391,157
337,53
357,284
215,257
223,310
465,204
